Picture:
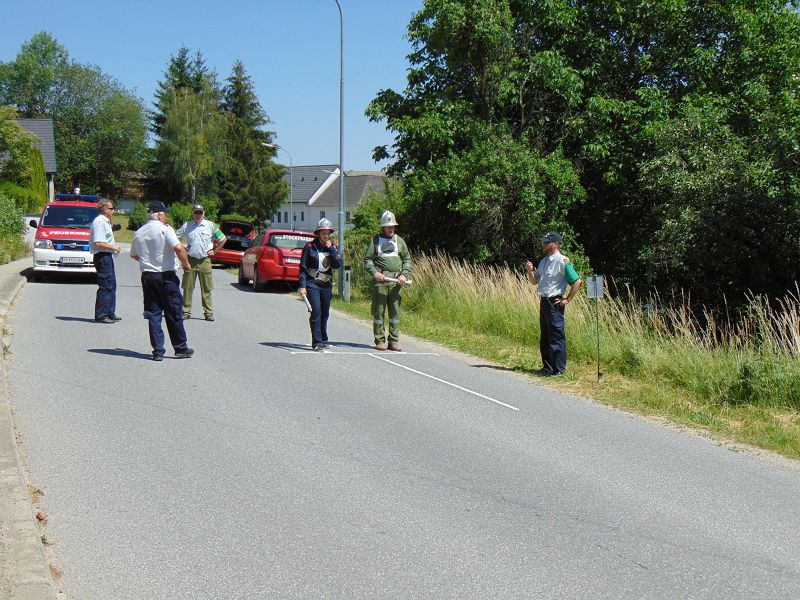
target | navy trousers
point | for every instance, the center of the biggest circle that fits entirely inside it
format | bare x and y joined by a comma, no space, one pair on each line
162,296
105,304
553,339
319,296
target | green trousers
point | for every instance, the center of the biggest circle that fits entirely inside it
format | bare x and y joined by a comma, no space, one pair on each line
201,267
386,296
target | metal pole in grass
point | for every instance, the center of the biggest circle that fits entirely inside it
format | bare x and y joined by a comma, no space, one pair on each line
594,289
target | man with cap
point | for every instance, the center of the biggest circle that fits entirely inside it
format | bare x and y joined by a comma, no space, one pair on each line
387,257
159,252
558,283
103,248
319,258
204,240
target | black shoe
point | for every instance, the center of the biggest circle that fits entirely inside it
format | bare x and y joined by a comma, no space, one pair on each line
324,346
104,320
184,353
187,316
115,318
209,317
544,372
158,357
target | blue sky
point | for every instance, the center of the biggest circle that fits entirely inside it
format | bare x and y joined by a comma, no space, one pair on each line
290,48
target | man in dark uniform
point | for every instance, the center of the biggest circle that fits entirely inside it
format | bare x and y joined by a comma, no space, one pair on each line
158,250
555,275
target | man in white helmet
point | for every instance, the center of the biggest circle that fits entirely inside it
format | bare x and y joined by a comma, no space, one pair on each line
387,256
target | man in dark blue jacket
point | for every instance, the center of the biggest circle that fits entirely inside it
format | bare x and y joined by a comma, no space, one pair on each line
319,259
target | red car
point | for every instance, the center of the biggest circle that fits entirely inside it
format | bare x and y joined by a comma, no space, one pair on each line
273,256
240,235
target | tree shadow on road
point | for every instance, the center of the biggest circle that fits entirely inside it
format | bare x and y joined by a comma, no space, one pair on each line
120,352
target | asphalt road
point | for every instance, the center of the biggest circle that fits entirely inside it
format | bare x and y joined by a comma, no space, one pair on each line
259,470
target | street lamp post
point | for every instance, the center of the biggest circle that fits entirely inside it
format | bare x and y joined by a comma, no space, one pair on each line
341,148
291,195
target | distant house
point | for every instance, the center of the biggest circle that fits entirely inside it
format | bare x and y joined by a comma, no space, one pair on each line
315,194
46,143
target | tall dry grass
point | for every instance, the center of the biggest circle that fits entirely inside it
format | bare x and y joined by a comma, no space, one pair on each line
755,361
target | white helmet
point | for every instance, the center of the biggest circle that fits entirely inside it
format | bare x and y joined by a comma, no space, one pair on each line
388,220
324,224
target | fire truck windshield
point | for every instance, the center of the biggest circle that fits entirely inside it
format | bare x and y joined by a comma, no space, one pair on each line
78,217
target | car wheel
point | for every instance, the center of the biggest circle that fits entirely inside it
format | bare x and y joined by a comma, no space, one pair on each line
242,279
258,285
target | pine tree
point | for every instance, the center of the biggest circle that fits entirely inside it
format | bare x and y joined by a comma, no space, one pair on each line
251,183
183,71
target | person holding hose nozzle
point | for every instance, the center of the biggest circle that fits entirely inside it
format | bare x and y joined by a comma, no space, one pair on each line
388,261
319,259
556,277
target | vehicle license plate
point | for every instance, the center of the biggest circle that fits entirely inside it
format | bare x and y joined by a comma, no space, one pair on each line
293,261
71,260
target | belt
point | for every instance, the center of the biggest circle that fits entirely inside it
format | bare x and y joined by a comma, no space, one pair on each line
323,277
392,274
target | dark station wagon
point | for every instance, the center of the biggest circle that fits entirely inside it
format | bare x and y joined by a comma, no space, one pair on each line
240,235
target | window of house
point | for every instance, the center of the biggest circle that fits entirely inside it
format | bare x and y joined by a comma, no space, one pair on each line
322,214
347,216
302,216
285,217
278,218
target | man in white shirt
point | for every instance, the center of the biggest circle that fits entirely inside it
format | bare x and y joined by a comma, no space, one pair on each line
159,252
204,241
103,247
558,282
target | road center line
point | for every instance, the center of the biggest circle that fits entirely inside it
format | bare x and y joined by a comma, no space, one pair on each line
463,389
356,352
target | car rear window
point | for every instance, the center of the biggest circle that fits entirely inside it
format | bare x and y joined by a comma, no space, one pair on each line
289,241
241,229
79,217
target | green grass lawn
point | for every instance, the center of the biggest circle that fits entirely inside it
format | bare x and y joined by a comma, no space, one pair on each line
124,235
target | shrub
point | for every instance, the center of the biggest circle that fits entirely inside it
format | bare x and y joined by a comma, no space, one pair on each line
138,216
11,230
238,217
180,213
26,200
10,217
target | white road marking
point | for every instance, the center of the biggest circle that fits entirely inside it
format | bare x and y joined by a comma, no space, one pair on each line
463,389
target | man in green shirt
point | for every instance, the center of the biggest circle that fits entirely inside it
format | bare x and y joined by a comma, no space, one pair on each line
387,257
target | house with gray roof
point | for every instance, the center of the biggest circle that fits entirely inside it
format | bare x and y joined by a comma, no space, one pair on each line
315,195
46,143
